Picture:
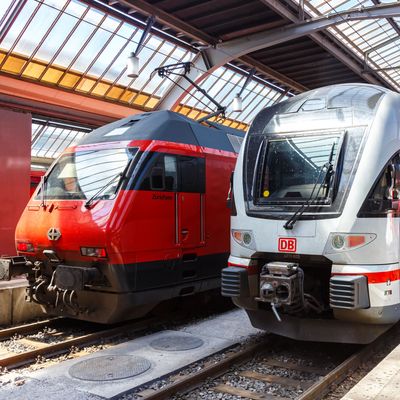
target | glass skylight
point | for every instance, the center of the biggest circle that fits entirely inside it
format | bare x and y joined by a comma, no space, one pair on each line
51,138
74,46
376,39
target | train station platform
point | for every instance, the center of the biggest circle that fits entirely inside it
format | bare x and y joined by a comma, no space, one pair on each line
13,307
382,383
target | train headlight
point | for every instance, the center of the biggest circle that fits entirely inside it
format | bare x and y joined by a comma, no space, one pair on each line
98,252
338,242
244,237
25,247
247,238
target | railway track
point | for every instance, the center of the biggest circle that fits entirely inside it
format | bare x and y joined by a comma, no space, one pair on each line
22,345
297,380
55,336
271,368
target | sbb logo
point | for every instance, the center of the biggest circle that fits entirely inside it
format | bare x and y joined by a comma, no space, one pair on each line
287,245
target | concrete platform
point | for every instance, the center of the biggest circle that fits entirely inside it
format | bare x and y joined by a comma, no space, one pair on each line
13,307
61,382
382,383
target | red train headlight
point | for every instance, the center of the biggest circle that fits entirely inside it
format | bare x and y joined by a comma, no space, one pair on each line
25,247
99,252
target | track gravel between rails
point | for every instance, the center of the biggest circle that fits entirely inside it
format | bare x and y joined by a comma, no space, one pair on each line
264,367
253,372
45,339
37,341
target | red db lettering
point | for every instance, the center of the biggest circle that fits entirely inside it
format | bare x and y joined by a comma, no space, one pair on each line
287,245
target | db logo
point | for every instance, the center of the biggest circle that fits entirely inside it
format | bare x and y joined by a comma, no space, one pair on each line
287,245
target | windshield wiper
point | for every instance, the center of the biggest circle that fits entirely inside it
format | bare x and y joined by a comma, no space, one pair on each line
101,190
326,179
122,175
43,191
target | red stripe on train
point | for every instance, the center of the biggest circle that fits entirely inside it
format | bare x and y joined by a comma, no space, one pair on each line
378,277
251,269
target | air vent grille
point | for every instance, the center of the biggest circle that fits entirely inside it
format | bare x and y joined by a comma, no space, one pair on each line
349,292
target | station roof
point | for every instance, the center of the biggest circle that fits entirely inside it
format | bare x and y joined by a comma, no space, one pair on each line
81,46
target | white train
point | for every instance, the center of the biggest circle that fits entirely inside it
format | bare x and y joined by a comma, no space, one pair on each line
315,216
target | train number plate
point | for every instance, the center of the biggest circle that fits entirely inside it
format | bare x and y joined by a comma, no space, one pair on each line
287,245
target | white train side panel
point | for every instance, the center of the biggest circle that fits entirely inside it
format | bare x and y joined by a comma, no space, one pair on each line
315,225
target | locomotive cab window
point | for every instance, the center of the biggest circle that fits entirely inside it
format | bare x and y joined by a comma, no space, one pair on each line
293,169
84,174
163,174
385,195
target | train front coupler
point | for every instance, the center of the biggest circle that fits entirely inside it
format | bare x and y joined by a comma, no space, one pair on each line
281,285
14,266
59,286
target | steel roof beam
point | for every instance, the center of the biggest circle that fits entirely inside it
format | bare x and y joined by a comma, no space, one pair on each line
225,52
168,19
318,38
197,34
273,74
391,21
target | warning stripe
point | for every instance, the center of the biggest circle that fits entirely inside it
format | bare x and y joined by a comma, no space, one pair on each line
377,277
251,269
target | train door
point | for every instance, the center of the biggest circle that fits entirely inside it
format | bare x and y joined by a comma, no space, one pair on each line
154,219
190,203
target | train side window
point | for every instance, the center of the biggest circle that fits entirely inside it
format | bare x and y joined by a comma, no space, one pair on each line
386,192
171,173
192,174
157,178
163,174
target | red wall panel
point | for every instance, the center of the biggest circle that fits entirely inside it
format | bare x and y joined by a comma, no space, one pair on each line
15,160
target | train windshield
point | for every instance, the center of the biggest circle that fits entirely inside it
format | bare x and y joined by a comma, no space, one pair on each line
295,168
84,174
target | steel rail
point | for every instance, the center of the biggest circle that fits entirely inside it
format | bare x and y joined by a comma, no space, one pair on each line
27,328
340,373
18,360
214,370
316,390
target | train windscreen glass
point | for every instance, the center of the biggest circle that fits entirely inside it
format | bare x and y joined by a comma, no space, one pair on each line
294,167
84,174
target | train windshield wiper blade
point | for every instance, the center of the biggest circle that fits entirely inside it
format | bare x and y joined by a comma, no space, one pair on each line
43,191
327,178
101,190
300,211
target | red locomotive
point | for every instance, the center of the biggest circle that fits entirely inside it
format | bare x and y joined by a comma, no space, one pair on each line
134,214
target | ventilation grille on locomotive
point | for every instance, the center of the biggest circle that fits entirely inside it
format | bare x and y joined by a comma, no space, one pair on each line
349,292
234,282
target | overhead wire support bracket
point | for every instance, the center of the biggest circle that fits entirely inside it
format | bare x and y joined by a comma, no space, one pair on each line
167,70
237,102
149,24
132,64
248,80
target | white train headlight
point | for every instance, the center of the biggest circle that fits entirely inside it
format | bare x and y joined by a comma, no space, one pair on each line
338,242
244,237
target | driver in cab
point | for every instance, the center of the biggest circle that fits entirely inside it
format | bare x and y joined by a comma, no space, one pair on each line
69,178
